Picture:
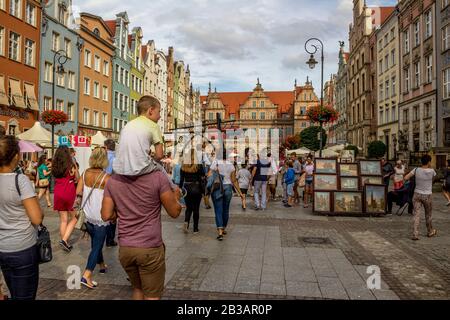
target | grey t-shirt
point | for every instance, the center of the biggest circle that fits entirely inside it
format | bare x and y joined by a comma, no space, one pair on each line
424,181
16,231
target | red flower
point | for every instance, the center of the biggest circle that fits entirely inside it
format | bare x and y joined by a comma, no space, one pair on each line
323,114
54,117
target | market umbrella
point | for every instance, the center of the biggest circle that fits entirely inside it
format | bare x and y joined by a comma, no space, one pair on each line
38,134
327,153
98,140
28,147
301,151
337,148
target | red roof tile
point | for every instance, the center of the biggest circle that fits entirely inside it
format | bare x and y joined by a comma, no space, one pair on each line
385,13
130,39
111,24
143,52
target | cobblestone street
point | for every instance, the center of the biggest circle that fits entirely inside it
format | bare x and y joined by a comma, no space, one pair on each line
277,254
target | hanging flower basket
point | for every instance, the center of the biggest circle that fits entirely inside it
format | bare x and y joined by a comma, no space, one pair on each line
54,117
324,114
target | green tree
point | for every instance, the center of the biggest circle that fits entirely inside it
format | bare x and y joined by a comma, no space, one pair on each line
310,138
376,149
353,148
292,142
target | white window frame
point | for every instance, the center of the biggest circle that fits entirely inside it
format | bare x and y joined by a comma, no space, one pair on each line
96,90
417,79
30,53
86,116
104,120
68,47
70,110
393,83
106,68
48,72
16,45
2,41
15,8
59,105
416,27
446,37
105,93
96,118
428,24
60,79
55,41
47,103
406,44
446,83
71,80
87,58
87,86
407,77
97,63
30,14
429,68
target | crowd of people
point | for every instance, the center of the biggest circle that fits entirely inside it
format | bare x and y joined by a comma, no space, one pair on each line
127,187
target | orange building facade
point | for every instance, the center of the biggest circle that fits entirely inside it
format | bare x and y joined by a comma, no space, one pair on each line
20,34
95,100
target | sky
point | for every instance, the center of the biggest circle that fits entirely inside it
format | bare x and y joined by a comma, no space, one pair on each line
231,43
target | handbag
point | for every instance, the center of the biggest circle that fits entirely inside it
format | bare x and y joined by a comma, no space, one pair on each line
44,245
302,181
43,183
81,215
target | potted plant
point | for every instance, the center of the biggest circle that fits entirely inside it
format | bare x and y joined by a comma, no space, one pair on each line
54,117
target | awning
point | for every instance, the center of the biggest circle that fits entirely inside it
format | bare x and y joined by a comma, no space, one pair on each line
3,96
16,93
29,88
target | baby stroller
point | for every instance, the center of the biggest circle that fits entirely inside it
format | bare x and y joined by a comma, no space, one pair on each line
403,198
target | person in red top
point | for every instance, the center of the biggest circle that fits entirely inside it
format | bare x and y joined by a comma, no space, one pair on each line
66,177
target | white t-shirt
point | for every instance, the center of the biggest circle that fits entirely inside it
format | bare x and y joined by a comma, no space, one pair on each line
226,168
424,180
133,153
244,176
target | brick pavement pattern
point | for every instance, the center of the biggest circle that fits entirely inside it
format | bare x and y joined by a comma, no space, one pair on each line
276,254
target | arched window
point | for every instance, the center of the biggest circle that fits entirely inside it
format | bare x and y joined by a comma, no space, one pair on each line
97,32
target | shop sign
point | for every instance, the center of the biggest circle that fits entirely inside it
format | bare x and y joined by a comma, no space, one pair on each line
7,112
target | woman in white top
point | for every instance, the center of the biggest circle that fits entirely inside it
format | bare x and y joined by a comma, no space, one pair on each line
222,198
90,189
399,175
244,177
423,194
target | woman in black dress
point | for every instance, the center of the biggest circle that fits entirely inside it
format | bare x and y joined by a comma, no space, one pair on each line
192,179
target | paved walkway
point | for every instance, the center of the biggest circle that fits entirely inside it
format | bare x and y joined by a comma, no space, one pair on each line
277,254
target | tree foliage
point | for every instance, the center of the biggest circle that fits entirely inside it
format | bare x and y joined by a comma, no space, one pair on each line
310,138
292,142
376,149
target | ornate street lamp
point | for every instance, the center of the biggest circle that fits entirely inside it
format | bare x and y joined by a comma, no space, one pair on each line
62,58
312,62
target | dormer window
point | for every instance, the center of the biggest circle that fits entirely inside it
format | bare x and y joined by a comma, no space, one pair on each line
97,32
62,13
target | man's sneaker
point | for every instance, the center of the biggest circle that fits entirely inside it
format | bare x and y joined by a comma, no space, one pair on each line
65,246
111,244
256,208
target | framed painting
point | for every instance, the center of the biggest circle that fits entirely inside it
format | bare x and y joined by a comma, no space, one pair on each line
349,169
348,202
370,180
325,182
325,166
349,183
370,167
322,202
375,196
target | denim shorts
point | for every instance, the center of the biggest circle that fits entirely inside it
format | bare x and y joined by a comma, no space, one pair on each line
290,190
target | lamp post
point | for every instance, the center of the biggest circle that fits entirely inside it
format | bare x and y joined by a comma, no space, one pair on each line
62,58
312,64
395,141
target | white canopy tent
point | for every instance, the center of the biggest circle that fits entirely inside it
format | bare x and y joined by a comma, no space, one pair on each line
337,148
327,153
301,151
39,135
98,140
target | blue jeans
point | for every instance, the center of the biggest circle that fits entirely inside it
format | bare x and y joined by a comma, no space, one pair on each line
222,205
110,233
98,236
21,273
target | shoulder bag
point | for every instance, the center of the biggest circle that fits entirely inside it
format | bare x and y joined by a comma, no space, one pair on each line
43,243
81,215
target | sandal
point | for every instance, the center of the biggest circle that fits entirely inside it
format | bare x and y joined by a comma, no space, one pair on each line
432,234
220,237
85,283
414,238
